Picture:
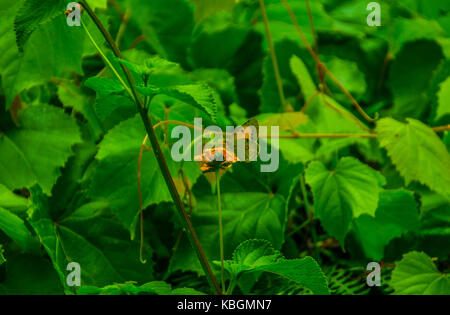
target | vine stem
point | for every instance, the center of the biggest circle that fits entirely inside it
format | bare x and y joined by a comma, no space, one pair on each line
273,55
100,51
219,206
192,236
310,214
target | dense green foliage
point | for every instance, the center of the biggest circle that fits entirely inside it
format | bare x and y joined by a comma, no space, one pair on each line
75,170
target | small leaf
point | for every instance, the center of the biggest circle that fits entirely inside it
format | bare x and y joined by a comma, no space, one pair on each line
198,95
417,153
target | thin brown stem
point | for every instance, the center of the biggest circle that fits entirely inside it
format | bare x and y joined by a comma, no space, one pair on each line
309,101
348,94
273,55
313,31
321,68
344,112
441,128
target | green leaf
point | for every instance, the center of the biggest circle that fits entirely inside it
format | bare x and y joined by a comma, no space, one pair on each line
305,271
39,62
409,30
33,14
349,75
38,148
304,80
154,287
15,228
245,215
416,274
417,153
197,95
444,99
167,33
104,260
396,214
104,86
346,192
253,256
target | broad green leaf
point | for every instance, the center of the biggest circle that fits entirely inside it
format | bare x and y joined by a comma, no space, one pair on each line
416,274
39,62
444,99
33,14
396,214
38,148
162,79
104,86
15,228
256,255
417,153
104,260
115,179
251,254
346,192
246,215
154,287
